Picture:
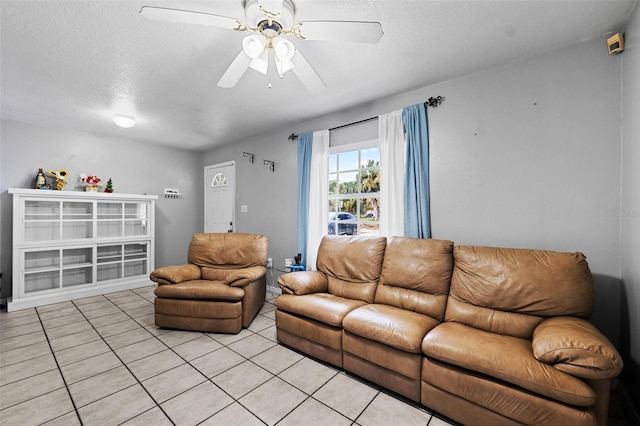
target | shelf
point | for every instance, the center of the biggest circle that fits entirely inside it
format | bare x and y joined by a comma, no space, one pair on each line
69,244
105,260
40,270
77,266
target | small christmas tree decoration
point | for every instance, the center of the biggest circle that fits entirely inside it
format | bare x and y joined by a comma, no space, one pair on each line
109,187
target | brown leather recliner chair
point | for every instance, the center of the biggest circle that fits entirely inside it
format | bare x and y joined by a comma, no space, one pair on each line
221,289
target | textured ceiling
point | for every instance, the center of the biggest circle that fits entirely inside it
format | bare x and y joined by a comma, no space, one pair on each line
73,64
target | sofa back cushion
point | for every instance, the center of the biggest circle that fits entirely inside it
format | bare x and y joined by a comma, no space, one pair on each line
416,275
352,265
510,291
229,250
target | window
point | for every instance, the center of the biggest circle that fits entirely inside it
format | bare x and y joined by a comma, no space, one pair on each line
354,189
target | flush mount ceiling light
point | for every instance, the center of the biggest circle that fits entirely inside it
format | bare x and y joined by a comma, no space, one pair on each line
272,21
124,121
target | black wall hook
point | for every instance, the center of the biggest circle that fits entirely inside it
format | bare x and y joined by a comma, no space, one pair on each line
250,155
271,164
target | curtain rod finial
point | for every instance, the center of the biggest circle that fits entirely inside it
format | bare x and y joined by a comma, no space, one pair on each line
293,137
435,102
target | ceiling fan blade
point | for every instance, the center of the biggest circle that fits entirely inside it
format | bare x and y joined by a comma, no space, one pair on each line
306,74
235,71
188,17
352,31
272,6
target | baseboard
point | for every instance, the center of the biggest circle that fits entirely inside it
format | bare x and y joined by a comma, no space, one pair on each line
628,403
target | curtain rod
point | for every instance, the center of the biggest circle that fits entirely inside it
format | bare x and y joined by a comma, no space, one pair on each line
431,102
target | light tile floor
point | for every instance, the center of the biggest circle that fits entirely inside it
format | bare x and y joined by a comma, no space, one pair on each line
102,361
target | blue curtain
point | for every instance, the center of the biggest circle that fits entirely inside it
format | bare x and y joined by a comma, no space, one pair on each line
305,143
416,185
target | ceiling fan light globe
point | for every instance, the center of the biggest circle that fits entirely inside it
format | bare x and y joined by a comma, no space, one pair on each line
261,63
284,49
253,46
284,66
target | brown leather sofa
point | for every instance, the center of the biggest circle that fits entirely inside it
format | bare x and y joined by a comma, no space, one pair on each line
220,289
485,336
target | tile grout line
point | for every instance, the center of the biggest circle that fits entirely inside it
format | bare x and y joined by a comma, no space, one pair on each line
207,379
124,363
223,345
111,349
127,367
64,380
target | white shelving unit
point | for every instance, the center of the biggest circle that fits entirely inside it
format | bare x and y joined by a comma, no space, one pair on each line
68,245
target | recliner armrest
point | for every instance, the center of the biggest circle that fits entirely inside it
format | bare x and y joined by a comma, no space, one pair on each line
244,276
574,346
303,282
175,274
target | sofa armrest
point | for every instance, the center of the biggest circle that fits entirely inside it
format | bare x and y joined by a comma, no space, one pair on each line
574,346
175,274
244,276
303,282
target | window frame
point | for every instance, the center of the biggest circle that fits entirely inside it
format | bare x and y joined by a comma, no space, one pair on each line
355,146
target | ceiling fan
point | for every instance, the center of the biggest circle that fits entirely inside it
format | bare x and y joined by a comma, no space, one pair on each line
271,21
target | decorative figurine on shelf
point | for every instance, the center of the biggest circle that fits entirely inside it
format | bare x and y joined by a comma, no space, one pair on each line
40,181
109,187
90,182
60,178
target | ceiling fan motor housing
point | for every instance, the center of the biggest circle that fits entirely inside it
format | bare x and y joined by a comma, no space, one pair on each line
254,17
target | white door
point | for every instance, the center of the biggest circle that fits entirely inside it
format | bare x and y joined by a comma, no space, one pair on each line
219,197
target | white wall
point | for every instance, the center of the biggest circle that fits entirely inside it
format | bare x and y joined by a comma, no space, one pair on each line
529,157
630,207
523,155
270,197
135,167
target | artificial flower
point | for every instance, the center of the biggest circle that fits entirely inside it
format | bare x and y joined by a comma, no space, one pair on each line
61,174
90,179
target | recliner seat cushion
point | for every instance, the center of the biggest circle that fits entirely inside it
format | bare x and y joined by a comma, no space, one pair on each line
200,290
389,325
322,307
506,358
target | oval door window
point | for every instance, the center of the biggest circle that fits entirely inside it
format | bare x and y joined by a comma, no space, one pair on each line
220,179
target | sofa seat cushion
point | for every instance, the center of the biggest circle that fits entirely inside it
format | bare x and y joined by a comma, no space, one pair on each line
323,307
506,358
200,290
390,325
